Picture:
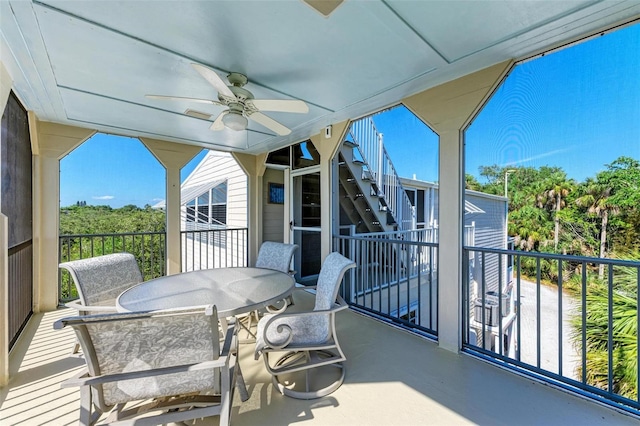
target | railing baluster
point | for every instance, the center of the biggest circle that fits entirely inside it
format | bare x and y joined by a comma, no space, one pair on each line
584,322
500,349
538,283
560,317
483,298
610,329
518,309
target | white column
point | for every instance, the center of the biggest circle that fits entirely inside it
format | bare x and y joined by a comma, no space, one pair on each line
448,109
450,238
173,157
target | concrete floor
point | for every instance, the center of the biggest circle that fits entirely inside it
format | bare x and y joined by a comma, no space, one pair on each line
393,378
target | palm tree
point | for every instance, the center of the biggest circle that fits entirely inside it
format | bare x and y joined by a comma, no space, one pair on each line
624,329
556,189
597,200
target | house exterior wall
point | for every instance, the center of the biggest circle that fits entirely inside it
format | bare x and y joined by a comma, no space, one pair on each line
218,166
212,250
490,231
272,214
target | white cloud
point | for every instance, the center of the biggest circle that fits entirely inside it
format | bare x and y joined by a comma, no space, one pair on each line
539,156
103,197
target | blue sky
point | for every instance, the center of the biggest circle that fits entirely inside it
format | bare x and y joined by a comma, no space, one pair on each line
115,171
578,108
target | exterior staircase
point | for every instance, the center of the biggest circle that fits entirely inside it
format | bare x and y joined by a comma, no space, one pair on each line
371,194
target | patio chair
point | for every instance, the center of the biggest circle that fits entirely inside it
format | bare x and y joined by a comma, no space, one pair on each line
305,343
99,280
275,256
154,367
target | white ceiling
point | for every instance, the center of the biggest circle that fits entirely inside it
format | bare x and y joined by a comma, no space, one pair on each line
90,63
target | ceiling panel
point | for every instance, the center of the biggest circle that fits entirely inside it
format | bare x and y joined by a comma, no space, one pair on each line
91,63
458,29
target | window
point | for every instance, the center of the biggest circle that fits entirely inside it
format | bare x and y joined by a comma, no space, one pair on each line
210,207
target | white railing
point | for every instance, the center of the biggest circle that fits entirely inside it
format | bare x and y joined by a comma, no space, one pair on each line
394,279
370,146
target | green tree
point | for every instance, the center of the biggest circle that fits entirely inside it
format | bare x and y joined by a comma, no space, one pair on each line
597,200
614,191
472,183
556,189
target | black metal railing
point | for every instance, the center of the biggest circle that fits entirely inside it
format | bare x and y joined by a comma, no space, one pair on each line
394,279
214,248
557,318
149,248
200,249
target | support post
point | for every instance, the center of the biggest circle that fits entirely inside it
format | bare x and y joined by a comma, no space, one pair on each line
448,109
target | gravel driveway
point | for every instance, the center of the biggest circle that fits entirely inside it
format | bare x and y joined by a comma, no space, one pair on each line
550,335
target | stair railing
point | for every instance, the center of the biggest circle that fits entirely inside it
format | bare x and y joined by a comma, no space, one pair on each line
370,146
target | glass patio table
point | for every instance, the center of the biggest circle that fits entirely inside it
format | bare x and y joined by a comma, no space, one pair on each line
234,291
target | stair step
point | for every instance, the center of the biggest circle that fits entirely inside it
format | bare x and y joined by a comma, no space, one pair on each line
350,144
358,162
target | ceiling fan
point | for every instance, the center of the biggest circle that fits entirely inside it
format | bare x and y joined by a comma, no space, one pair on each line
240,102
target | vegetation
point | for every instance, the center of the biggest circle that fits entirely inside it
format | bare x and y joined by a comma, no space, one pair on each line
83,219
600,217
548,212
88,231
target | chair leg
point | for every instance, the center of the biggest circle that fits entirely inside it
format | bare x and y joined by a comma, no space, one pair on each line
89,414
240,384
246,323
311,357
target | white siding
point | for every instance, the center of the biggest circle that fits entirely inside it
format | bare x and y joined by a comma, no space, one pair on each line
272,214
490,230
217,248
221,165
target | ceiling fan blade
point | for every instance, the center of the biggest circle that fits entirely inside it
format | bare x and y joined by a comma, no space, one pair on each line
269,123
281,105
217,123
214,79
180,98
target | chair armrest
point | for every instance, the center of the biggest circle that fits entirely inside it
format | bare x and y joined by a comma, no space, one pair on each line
280,327
90,308
84,379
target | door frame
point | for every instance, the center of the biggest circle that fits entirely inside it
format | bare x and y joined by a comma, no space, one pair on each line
291,214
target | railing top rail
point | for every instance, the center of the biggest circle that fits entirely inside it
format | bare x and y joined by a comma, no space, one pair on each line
565,257
115,234
404,231
386,240
214,230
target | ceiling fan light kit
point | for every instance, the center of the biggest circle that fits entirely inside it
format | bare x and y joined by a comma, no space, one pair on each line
240,102
235,121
